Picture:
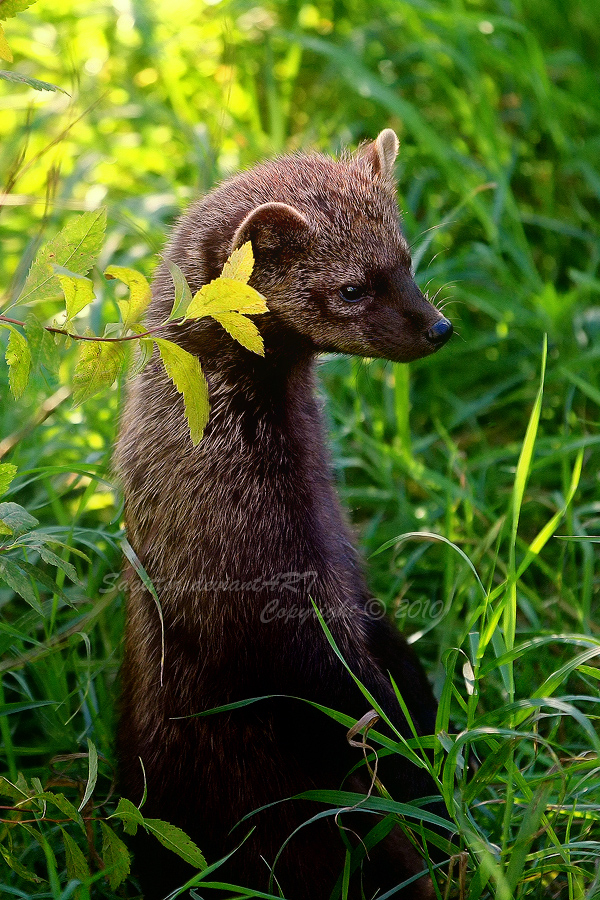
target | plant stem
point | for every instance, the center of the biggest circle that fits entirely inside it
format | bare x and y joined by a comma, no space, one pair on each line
87,337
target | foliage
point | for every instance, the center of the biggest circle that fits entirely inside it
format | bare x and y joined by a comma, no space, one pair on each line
479,461
101,359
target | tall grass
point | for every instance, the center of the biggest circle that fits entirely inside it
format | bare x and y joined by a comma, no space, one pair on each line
472,477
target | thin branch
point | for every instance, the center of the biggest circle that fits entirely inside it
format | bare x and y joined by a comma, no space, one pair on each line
87,337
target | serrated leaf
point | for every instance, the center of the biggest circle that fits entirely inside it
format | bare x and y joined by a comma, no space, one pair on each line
142,355
17,518
75,247
12,573
243,330
77,866
97,368
43,579
5,51
92,774
9,8
78,291
184,371
183,294
37,536
18,358
53,560
129,814
64,805
240,264
225,295
7,473
140,295
17,867
176,840
42,346
115,856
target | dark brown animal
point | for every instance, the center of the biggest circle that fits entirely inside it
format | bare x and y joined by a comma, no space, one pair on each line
239,533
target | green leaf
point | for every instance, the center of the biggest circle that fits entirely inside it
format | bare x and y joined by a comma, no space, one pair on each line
78,291
184,371
5,51
64,805
115,856
147,582
42,347
9,8
176,840
16,518
97,368
75,247
243,330
41,577
21,784
240,264
18,358
35,83
38,541
590,671
129,814
17,867
528,831
7,709
526,455
12,573
132,310
183,295
77,866
53,560
8,789
142,355
7,473
225,295
92,774
521,477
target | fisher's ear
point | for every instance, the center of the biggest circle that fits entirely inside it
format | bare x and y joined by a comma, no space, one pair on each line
272,225
381,154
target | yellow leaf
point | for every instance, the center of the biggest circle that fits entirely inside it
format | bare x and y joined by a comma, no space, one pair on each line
243,330
18,358
240,264
98,365
78,291
5,52
224,295
184,371
133,309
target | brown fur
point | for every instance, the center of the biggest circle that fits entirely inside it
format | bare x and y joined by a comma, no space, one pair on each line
215,525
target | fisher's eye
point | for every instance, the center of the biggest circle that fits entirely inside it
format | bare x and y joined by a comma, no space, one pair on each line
352,293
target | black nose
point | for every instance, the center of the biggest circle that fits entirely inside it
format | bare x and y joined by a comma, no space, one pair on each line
439,333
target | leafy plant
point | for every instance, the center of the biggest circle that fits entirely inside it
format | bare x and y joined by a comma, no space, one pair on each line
64,262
